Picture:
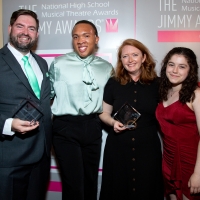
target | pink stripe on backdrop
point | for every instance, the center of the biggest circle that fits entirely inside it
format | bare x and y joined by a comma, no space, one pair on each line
55,186
178,36
54,167
49,55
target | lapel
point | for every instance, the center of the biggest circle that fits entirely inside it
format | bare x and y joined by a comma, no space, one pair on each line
43,72
15,67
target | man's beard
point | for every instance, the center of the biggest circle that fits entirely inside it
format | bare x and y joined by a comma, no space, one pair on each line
21,46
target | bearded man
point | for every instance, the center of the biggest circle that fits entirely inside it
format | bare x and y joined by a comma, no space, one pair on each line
25,141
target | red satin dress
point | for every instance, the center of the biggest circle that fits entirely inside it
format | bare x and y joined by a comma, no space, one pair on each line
180,143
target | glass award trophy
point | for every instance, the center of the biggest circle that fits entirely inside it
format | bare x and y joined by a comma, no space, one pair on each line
127,115
28,110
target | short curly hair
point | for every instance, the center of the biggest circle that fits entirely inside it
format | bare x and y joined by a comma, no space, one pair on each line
186,94
90,23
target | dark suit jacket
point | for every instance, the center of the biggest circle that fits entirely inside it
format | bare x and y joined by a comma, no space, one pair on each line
21,149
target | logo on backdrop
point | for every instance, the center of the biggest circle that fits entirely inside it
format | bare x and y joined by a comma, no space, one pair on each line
111,25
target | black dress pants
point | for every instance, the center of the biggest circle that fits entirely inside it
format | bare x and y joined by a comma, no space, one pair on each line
28,182
77,145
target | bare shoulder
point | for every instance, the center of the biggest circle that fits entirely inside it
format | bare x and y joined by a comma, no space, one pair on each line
196,107
196,101
197,93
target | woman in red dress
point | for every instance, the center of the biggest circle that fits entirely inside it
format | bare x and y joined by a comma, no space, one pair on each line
179,116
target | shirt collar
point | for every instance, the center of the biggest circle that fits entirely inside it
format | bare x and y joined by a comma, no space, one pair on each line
18,55
87,59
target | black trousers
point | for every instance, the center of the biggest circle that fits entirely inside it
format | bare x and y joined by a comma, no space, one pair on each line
77,145
25,182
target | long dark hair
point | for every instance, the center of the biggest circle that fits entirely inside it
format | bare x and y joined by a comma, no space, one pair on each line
186,94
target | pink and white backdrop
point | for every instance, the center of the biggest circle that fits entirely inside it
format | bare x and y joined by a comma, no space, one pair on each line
159,24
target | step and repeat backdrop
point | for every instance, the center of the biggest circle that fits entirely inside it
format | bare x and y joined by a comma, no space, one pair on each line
159,24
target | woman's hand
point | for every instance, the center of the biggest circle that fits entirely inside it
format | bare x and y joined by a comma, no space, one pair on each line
118,126
194,183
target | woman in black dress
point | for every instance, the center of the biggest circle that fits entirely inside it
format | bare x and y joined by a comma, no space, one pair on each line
132,158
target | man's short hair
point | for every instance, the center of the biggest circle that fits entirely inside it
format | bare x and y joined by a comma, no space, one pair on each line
19,12
90,23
